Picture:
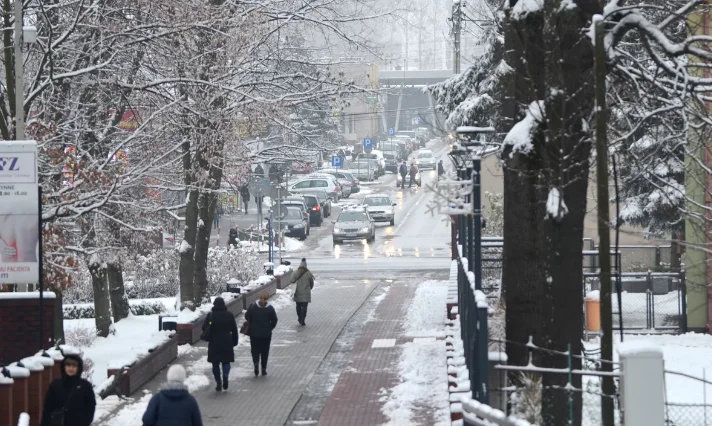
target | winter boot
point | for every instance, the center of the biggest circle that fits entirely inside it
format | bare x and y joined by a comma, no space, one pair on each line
264,371
225,382
257,370
218,387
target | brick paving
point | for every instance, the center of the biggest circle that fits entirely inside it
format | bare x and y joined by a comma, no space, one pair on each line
370,371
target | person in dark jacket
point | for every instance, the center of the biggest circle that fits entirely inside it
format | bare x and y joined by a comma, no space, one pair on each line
232,239
70,399
403,170
441,169
263,319
173,405
412,171
222,340
245,195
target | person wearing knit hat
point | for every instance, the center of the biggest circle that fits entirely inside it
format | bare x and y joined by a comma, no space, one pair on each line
302,291
173,405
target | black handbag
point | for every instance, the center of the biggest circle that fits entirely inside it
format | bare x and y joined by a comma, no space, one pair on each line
56,417
205,335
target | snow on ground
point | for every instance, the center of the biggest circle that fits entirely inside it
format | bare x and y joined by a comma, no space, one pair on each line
131,414
422,368
290,245
132,338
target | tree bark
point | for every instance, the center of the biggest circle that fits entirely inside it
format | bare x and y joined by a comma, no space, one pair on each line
187,262
119,302
206,210
102,305
542,258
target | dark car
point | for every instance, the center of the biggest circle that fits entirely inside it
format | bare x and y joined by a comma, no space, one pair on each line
324,200
294,201
316,214
293,223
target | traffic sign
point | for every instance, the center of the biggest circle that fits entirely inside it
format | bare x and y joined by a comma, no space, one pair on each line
391,132
367,145
337,161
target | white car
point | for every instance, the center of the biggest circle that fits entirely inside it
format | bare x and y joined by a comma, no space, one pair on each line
333,190
362,171
425,159
380,207
345,186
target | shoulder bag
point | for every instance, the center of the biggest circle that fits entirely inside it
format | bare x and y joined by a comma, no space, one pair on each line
245,327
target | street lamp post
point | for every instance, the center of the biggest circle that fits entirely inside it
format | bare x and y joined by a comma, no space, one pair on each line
22,35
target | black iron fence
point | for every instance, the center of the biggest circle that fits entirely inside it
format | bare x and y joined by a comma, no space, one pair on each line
473,312
688,408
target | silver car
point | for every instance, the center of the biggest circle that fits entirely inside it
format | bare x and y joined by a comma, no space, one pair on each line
380,207
354,224
425,160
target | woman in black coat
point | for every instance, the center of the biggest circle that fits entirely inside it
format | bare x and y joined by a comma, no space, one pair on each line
70,399
263,319
222,340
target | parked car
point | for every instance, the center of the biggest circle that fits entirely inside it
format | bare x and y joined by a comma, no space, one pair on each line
363,170
425,159
331,187
391,158
377,161
301,168
324,200
292,201
354,224
345,189
380,207
293,223
169,241
316,214
418,181
345,179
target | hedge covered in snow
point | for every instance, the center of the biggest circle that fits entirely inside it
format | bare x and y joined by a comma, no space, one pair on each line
87,310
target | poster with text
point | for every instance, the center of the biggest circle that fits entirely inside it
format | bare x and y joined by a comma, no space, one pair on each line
19,213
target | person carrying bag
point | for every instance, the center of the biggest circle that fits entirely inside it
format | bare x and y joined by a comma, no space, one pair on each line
70,400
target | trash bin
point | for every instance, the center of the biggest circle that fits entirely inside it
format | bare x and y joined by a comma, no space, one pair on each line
593,311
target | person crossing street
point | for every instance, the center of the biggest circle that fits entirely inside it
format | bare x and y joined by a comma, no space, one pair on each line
441,169
245,195
413,172
403,170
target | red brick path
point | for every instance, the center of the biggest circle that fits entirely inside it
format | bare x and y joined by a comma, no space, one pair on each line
370,371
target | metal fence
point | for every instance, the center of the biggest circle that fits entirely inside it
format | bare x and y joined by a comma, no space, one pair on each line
649,301
633,258
473,313
684,410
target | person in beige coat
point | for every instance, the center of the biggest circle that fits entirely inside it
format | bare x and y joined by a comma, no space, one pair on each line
302,292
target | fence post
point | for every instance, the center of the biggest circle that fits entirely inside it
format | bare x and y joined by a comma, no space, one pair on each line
658,257
682,294
482,353
642,385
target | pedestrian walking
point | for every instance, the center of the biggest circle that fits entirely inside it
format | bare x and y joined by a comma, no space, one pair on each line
302,291
70,399
232,238
403,170
259,200
245,195
413,171
173,405
441,169
222,338
262,319
218,214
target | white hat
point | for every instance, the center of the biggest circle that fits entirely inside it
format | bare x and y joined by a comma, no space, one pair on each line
176,373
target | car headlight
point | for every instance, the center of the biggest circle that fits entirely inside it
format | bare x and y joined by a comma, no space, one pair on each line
300,225
337,230
364,229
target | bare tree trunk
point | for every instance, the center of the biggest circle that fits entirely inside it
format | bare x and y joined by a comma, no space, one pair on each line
187,249
58,318
102,305
119,302
206,211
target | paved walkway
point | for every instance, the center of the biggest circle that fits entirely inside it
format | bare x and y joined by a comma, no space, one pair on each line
295,355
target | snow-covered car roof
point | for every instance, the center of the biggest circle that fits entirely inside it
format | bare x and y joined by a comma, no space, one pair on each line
381,194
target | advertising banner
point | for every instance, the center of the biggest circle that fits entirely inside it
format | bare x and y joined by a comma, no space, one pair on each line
19,213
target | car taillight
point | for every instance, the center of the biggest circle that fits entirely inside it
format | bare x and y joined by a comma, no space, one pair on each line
355,182
317,208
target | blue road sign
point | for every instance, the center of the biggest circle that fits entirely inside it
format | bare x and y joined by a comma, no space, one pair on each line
391,132
337,161
368,143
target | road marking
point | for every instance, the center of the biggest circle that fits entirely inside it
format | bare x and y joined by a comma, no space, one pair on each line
383,343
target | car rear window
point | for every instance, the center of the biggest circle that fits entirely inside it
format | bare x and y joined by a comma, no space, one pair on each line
311,200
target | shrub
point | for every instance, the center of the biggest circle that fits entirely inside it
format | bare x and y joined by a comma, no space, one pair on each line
87,311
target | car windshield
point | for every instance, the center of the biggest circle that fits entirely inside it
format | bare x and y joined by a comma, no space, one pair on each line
377,201
425,155
294,204
352,217
292,213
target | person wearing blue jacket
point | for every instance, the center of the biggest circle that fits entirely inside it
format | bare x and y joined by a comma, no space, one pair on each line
173,405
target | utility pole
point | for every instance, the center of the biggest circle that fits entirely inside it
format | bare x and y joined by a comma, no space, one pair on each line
456,29
19,74
604,231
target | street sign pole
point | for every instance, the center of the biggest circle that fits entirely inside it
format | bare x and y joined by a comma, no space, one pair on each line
279,222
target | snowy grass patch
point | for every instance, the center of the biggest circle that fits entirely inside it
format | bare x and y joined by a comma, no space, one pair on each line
131,414
423,386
